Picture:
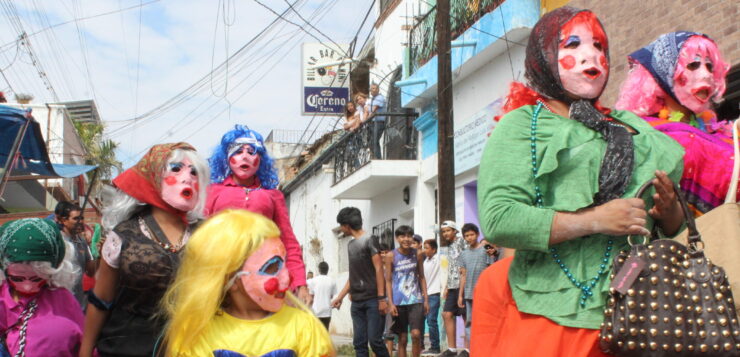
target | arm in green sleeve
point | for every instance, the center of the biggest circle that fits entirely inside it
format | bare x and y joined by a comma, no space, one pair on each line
506,196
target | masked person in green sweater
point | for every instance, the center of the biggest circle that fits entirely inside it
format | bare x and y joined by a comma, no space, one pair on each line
555,183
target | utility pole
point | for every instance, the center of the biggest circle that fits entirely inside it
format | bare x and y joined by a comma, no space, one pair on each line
445,133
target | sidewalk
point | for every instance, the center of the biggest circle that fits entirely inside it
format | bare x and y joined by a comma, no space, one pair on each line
343,345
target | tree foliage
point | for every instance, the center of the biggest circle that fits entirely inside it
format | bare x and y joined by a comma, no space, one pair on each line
100,152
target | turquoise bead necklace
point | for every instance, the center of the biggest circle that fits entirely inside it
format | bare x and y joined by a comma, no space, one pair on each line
586,286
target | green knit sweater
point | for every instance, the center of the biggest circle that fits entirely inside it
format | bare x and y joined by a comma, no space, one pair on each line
568,158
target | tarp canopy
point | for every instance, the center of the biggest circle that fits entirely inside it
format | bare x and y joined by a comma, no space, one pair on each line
34,158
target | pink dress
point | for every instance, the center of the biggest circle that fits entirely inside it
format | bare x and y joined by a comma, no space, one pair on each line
269,203
56,326
708,163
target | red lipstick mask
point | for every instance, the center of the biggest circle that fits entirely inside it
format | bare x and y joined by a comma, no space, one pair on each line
264,275
244,162
180,185
695,87
24,280
582,63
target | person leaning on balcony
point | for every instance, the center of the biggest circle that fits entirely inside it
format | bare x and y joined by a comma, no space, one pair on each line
552,182
361,112
373,108
351,117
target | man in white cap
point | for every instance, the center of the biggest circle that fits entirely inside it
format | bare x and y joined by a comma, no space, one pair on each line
450,311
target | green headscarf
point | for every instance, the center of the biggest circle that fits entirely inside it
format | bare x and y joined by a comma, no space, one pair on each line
32,240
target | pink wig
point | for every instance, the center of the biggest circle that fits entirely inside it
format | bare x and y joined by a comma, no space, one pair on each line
640,92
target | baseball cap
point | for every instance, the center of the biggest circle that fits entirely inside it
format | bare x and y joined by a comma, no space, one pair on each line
449,224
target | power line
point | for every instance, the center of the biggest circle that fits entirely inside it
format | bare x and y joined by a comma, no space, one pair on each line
179,97
86,18
264,73
12,14
83,48
282,17
314,27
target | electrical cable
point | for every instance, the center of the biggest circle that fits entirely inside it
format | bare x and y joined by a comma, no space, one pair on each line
264,73
179,97
314,27
85,18
282,17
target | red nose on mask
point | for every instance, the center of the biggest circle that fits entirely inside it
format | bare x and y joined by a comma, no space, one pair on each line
272,285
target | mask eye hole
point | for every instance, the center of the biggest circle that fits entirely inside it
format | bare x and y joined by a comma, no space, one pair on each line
693,66
175,167
710,67
272,266
17,279
35,279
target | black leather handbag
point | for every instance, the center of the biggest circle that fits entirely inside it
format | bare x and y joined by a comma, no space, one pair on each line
667,299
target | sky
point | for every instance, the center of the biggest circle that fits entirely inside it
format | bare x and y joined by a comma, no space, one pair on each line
132,60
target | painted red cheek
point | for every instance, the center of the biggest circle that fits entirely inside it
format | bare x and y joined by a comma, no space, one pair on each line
197,187
232,160
568,62
681,80
170,180
271,286
603,62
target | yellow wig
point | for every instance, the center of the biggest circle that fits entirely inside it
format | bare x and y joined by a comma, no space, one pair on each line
217,249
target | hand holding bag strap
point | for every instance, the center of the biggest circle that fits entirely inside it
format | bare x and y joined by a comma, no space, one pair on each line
732,191
694,236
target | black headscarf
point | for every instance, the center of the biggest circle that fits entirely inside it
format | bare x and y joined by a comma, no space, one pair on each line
541,71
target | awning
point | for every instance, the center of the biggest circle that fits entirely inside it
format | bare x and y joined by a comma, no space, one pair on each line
33,162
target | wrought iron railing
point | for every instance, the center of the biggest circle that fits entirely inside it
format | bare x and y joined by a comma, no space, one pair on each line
385,233
355,149
463,14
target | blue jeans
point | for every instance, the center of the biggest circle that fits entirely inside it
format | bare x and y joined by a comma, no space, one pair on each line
469,313
368,327
377,132
434,303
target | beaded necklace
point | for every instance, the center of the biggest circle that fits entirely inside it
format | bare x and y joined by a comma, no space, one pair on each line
585,286
248,190
172,248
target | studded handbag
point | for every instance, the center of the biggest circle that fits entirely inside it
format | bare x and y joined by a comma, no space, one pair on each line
668,299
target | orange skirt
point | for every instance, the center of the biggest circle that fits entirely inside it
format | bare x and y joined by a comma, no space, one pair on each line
499,329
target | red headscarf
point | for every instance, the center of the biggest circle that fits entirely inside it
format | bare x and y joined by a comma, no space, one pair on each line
143,180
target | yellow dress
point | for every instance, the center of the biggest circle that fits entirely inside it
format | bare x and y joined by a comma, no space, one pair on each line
287,333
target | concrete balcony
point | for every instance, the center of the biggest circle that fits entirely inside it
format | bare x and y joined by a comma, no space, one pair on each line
374,178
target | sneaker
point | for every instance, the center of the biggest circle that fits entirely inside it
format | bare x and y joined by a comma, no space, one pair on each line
448,353
431,351
463,353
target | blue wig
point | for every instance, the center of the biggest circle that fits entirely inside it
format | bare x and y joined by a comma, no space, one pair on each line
219,161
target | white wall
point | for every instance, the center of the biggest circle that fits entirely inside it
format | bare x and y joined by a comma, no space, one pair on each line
489,82
390,40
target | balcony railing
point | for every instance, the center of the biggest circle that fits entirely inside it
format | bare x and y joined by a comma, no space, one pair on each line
355,149
463,14
385,233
